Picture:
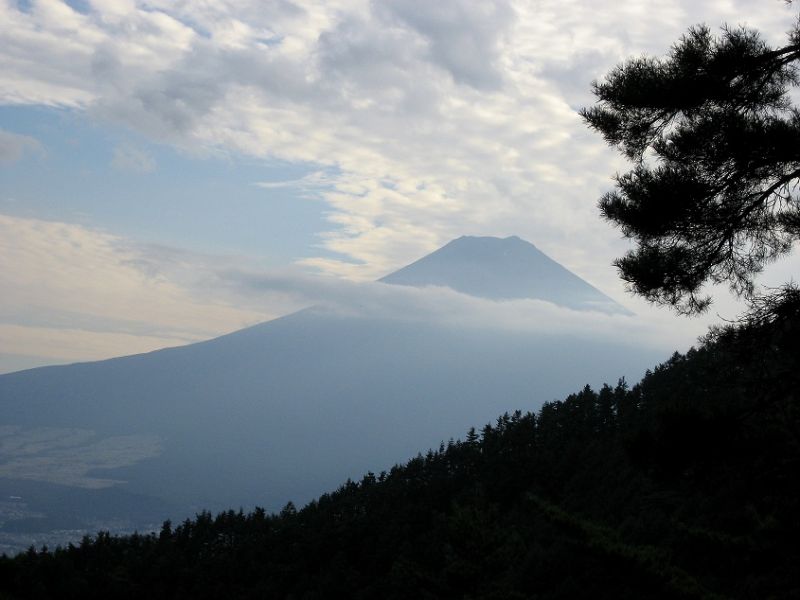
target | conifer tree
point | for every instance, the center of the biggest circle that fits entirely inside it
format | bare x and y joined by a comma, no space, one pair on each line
714,139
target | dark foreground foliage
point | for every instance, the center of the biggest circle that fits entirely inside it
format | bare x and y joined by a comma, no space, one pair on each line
712,131
684,486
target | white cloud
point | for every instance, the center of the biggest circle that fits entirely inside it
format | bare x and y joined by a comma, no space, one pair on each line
430,120
442,305
74,293
311,182
63,344
464,38
14,146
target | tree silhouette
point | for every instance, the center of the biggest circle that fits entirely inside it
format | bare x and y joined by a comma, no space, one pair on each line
715,142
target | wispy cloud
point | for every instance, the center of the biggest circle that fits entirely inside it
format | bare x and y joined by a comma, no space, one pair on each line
316,181
422,121
130,158
74,293
436,118
444,306
14,146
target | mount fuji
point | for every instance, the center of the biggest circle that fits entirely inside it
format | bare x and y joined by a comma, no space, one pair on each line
503,269
291,408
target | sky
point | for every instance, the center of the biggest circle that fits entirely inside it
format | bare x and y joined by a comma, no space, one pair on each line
174,170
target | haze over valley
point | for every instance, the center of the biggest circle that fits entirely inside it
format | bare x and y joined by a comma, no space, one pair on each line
289,408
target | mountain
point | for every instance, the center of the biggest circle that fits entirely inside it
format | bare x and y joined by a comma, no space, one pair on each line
280,411
503,269
682,486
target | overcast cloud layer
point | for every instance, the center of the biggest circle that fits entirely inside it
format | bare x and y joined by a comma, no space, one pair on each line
87,294
427,120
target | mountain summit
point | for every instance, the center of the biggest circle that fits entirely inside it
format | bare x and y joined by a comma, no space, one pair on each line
290,408
503,269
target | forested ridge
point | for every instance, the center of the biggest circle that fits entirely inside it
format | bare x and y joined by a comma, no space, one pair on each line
681,486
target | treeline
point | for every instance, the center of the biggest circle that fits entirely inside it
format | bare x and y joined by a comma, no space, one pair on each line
682,486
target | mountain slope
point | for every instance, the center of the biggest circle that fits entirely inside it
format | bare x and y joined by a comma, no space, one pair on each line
503,269
282,410
680,487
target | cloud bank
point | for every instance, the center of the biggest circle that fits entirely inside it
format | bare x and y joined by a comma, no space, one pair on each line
439,118
73,293
422,121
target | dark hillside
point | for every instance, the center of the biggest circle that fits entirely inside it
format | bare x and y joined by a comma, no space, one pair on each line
290,408
682,486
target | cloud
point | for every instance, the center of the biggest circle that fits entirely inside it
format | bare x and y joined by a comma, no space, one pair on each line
75,293
73,344
313,181
433,120
130,158
444,306
14,146
464,38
